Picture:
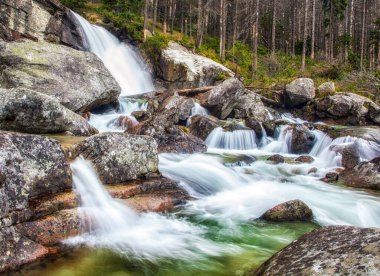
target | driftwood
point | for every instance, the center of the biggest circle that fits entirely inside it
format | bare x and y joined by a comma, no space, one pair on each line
194,91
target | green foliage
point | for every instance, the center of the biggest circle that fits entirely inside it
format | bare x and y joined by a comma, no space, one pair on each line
74,4
377,74
153,47
241,54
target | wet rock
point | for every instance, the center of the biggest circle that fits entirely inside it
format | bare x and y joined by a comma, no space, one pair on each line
305,159
299,92
332,250
28,111
254,124
293,210
327,88
141,115
312,170
181,68
39,20
250,105
277,159
79,80
170,137
331,177
202,126
17,250
351,108
126,122
178,141
302,139
182,104
119,157
222,99
350,156
31,166
364,175
52,229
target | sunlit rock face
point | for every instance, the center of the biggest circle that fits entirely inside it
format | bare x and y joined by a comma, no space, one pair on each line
39,20
181,68
78,79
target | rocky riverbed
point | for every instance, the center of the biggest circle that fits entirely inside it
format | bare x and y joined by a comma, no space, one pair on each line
234,176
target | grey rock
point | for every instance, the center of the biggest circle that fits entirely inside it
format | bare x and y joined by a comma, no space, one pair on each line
39,20
119,157
302,139
355,109
202,126
333,250
326,88
24,110
79,80
181,68
299,92
293,210
364,175
250,105
223,98
30,166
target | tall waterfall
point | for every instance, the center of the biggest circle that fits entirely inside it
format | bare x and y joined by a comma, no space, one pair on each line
125,64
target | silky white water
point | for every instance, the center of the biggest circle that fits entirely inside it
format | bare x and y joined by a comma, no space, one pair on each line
128,69
125,64
115,226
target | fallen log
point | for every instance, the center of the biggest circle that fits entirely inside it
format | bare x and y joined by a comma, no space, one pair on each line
194,91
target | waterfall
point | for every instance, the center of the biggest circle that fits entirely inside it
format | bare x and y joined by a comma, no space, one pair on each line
197,110
125,64
235,140
128,69
115,226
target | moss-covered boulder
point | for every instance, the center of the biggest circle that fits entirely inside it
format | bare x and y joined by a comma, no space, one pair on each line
333,250
25,110
79,80
119,157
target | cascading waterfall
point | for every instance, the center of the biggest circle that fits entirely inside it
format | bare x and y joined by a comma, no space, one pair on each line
125,65
197,110
128,69
231,140
115,226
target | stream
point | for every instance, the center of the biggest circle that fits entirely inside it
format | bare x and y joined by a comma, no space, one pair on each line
232,185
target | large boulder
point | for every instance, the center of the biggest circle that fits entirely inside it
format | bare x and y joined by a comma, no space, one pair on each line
326,88
293,210
39,20
222,99
333,250
201,126
250,105
299,92
17,250
24,110
119,157
181,68
352,108
30,166
364,175
79,80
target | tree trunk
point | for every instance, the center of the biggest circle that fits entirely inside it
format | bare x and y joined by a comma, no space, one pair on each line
223,26
255,30
363,35
273,52
198,41
312,53
305,35
145,19
165,23
155,6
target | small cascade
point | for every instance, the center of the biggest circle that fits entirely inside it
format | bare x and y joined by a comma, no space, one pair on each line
234,140
118,120
125,64
115,226
265,140
197,110
282,141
